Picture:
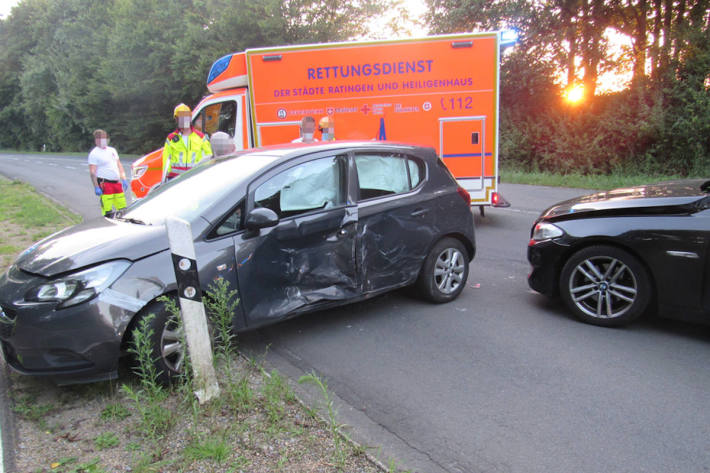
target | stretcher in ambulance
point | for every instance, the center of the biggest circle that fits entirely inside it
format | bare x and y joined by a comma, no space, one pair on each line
438,91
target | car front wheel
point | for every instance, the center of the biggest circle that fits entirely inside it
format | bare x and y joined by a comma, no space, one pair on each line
604,285
166,340
445,271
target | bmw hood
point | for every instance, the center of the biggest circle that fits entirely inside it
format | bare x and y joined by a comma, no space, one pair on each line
90,243
664,197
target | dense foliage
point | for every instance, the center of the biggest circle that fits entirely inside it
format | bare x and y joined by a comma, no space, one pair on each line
68,67
659,124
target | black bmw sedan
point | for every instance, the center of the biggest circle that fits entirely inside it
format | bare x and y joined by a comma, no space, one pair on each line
615,255
293,229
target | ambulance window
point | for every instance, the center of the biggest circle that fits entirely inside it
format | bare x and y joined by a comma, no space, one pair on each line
227,117
386,174
315,185
218,117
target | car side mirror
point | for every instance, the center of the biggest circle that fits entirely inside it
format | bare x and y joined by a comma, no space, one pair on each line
261,218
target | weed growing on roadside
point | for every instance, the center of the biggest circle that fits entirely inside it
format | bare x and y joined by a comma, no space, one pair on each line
239,464
114,412
155,420
221,304
151,462
340,453
106,440
25,406
201,448
240,396
276,392
142,348
184,382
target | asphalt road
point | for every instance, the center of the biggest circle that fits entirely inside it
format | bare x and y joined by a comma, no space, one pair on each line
500,380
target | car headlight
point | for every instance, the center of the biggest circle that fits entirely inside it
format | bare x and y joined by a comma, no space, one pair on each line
546,231
138,171
78,287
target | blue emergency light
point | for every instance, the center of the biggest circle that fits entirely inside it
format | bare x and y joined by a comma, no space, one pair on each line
508,37
219,67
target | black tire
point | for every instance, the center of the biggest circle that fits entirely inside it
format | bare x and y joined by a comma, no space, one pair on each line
445,271
604,285
167,342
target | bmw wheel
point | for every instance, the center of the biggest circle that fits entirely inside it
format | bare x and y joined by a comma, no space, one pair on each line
445,271
604,285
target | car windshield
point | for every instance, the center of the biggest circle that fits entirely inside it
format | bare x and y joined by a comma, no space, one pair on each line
189,195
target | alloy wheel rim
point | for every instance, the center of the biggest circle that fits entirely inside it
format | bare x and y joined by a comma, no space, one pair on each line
603,287
449,270
171,345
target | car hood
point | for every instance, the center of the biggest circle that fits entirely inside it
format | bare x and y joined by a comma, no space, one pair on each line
665,197
91,243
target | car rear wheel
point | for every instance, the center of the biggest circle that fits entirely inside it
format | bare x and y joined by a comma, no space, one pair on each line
167,342
604,285
445,271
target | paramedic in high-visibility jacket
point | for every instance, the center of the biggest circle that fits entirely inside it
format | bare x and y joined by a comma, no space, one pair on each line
184,147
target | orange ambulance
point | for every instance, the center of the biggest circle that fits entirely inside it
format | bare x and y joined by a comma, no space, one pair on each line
438,91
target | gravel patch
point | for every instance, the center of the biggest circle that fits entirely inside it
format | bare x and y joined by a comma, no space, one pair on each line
256,425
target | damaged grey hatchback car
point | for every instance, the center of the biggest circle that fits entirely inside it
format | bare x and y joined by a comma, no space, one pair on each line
293,229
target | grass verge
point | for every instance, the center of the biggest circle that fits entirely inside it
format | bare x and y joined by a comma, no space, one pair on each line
26,217
582,181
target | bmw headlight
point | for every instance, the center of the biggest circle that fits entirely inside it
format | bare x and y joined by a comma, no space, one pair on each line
78,287
546,231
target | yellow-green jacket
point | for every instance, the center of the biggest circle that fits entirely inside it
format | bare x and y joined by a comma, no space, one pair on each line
178,158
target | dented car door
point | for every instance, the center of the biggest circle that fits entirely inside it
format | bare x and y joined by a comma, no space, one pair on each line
308,257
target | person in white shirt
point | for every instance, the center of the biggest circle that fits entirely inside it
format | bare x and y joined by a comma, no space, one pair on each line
308,128
107,175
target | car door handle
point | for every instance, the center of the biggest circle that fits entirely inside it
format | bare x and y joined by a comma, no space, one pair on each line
419,212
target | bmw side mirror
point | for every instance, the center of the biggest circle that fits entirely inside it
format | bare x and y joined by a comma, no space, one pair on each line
261,218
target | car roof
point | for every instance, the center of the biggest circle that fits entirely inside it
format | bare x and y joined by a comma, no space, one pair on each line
292,150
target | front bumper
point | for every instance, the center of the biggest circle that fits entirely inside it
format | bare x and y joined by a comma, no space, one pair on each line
546,259
81,343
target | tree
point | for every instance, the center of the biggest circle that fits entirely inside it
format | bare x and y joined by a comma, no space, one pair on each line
69,66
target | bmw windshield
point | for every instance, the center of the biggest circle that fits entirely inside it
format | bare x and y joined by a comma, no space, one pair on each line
189,195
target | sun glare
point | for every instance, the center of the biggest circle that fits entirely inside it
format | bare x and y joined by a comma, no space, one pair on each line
574,94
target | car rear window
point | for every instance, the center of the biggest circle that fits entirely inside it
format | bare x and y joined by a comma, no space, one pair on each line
387,174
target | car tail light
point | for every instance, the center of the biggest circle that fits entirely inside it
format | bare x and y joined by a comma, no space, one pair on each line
464,194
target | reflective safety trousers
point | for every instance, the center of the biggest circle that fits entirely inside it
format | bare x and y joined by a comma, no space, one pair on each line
178,158
112,198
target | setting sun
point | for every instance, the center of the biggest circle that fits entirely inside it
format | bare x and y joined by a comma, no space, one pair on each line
574,94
